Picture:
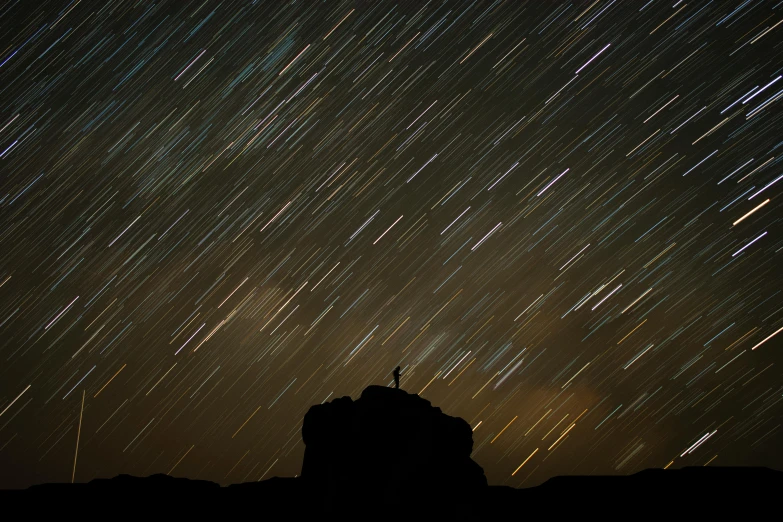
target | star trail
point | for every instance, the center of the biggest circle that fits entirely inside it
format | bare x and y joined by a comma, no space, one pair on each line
559,218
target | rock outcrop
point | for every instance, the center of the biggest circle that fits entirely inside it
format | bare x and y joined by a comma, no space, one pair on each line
390,455
388,448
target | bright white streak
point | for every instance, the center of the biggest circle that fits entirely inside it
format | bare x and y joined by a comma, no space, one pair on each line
362,227
422,168
503,176
585,248
607,296
746,246
190,64
60,314
553,182
458,363
765,340
593,58
637,357
636,301
384,232
703,438
766,187
761,90
13,401
485,237
324,277
275,217
189,339
448,227
292,61
126,229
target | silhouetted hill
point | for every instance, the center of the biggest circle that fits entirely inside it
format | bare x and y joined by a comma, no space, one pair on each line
674,493
390,455
702,492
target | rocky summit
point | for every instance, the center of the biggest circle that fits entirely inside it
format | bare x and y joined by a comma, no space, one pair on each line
385,448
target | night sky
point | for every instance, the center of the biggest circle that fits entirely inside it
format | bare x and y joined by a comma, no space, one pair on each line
561,219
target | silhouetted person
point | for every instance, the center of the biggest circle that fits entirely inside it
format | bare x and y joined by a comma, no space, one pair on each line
396,374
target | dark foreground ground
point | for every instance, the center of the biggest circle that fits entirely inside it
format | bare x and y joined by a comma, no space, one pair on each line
690,492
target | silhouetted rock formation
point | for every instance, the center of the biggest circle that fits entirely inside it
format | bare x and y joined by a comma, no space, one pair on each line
386,448
391,455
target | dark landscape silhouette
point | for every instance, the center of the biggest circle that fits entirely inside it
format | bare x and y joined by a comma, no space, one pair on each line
391,455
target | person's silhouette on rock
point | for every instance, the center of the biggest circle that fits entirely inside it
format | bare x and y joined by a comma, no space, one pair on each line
396,374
